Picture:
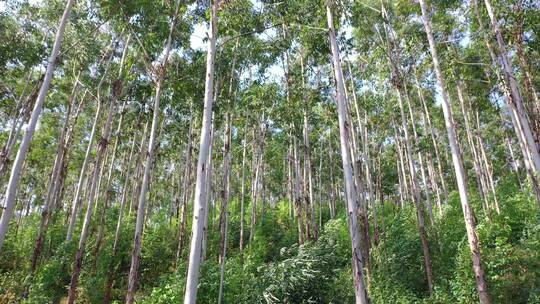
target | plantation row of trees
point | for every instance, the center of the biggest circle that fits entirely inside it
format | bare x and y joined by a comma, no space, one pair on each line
366,151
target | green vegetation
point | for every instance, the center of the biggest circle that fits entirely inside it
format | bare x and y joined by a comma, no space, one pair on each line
261,151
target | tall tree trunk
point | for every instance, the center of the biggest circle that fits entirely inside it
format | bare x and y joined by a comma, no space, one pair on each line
137,238
488,167
92,198
480,174
186,182
308,170
527,158
199,213
209,195
397,81
481,284
58,164
59,188
533,104
224,216
351,195
11,190
426,117
516,101
118,230
332,201
21,115
75,205
302,235
243,190
433,182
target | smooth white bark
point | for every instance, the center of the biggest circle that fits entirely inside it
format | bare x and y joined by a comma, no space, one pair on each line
14,177
202,166
350,191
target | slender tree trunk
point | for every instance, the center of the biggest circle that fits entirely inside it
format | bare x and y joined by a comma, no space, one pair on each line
351,195
186,182
308,179
118,230
209,195
11,190
202,166
58,164
533,104
243,190
420,159
91,199
488,168
433,182
302,235
108,189
516,102
470,224
480,174
397,82
427,118
137,238
224,216
404,188
21,115
82,175
527,158
332,182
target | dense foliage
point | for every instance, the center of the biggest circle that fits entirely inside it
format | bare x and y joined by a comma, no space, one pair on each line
156,133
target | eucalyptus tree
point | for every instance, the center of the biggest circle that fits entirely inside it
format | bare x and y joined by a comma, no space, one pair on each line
115,92
199,212
14,177
351,194
481,284
516,100
160,70
400,88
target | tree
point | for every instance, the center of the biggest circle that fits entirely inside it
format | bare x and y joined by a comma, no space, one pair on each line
344,125
14,177
470,224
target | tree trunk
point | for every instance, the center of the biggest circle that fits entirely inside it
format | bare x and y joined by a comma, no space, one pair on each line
470,224
224,216
82,175
202,166
118,230
527,159
351,195
243,190
91,199
186,182
20,116
302,235
516,101
308,179
478,169
427,118
11,190
533,104
53,181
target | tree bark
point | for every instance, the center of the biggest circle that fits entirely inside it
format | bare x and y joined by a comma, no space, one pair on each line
481,284
243,190
351,195
186,182
92,199
11,190
53,181
516,100
199,213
